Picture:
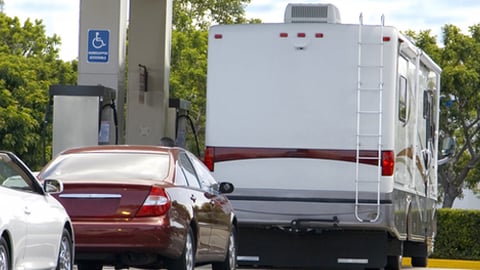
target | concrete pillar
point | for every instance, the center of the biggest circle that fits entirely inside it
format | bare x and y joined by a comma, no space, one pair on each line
102,51
149,38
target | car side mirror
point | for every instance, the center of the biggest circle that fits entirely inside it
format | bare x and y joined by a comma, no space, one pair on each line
449,146
447,150
52,186
226,187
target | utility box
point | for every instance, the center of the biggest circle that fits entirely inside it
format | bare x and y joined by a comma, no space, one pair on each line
82,116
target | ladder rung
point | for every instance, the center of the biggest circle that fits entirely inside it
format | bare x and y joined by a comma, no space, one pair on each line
370,66
369,135
371,144
368,204
370,112
371,89
367,158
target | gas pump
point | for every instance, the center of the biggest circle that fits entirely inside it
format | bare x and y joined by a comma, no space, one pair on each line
178,109
83,115
178,120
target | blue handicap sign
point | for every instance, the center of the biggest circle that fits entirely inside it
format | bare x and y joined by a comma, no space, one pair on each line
98,47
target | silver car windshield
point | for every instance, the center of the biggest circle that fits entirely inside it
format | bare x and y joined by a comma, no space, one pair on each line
109,166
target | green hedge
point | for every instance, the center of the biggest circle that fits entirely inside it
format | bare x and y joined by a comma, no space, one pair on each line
458,234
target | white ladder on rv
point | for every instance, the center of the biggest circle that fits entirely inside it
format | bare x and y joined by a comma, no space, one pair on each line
369,122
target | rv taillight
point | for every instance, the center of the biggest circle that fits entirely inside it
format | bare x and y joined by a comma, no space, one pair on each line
301,35
388,163
319,35
218,36
283,35
208,160
386,39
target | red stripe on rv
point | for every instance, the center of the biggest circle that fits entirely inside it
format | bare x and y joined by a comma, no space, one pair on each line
219,154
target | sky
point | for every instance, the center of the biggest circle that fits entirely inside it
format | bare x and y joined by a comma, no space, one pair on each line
61,17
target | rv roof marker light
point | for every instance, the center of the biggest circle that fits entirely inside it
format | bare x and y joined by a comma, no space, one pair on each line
283,35
301,35
386,39
218,36
319,35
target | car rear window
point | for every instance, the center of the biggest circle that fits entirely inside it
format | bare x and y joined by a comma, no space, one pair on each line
109,166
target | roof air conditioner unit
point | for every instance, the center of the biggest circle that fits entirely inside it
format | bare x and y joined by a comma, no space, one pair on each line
312,13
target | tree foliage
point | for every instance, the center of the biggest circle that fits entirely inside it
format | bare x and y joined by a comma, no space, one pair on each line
459,58
200,14
191,20
29,64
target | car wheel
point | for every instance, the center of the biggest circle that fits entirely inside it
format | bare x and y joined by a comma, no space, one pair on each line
186,261
4,255
89,266
65,255
394,262
230,262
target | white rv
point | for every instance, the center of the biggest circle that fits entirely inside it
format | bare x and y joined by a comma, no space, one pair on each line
329,132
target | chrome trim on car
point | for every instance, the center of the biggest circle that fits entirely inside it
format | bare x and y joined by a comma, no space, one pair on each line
90,196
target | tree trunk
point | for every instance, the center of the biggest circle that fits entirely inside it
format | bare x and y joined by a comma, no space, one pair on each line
452,187
448,199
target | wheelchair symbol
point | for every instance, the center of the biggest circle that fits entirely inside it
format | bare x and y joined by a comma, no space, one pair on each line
98,42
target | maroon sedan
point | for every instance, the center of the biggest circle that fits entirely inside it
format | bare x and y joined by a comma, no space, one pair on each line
145,207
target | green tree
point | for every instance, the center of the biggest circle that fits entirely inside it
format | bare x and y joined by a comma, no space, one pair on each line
29,64
461,82
460,107
200,14
191,20
188,78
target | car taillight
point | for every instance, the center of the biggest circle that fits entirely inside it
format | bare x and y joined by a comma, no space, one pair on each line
156,204
208,160
388,163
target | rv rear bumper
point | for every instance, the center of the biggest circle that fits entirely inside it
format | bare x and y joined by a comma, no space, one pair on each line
316,210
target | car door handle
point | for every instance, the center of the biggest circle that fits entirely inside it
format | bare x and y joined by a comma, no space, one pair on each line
26,210
193,198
